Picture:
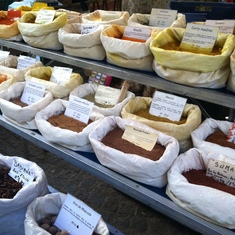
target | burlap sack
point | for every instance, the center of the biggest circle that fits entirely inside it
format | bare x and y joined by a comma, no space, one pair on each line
67,138
86,89
200,70
134,166
106,17
43,74
207,127
45,206
208,203
142,20
82,45
181,132
9,66
12,211
42,35
25,115
124,52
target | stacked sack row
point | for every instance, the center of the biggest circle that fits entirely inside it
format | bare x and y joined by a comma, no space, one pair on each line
181,146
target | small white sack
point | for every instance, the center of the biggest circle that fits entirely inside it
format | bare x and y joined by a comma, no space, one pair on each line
67,138
6,84
82,45
9,66
12,211
48,205
208,203
21,116
134,166
207,127
86,89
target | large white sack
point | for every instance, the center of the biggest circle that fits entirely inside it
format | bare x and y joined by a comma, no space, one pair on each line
21,116
12,211
67,138
208,203
9,66
47,205
82,45
131,165
87,88
207,127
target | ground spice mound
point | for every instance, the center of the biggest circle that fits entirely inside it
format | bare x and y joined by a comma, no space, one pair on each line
66,122
145,114
199,177
91,98
114,140
176,47
218,137
8,186
18,102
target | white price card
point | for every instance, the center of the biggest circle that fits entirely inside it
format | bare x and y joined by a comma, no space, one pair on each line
106,95
88,28
60,75
21,173
221,171
199,38
142,34
4,55
76,217
79,109
140,137
25,62
45,16
225,26
162,17
33,92
167,106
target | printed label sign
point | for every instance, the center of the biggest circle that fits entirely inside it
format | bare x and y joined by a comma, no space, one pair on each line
61,75
137,33
45,16
25,62
225,26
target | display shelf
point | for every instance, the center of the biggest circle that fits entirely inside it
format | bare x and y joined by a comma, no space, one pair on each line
153,197
217,96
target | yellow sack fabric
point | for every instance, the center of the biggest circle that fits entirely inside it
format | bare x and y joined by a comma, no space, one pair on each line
8,31
142,20
182,131
125,53
190,61
106,17
231,79
42,75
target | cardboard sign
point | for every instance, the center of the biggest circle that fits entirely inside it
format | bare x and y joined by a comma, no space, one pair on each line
167,105
79,109
45,16
33,92
162,17
199,38
25,62
223,172
21,173
76,217
225,26
61,75
140,137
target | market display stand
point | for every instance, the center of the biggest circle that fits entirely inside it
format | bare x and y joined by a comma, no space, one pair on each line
151,196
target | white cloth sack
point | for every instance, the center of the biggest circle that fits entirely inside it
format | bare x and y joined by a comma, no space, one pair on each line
181,132
124,52
106,17
9,66
82,45
86,89
12,211
142,20
72,16
131,165
42,35
208,203
6,84
39,75
21,116
207,127
47,205
67,138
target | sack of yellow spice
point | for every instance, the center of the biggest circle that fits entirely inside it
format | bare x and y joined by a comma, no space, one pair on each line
138,107
189,68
